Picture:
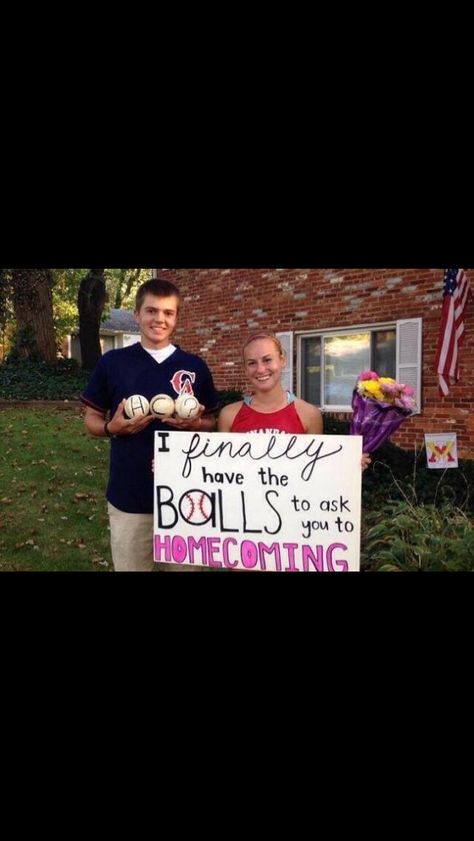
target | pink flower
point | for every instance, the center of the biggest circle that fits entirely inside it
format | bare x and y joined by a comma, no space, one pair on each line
385,390
388,388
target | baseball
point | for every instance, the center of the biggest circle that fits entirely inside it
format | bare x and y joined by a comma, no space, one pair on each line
136,405
186,406
162,405
196,507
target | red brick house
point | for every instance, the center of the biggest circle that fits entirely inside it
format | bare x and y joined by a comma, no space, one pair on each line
336,322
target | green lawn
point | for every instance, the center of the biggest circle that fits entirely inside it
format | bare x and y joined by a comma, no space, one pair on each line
53,477
53,514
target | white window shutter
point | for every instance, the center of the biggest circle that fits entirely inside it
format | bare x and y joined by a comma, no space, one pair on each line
286,340
409,356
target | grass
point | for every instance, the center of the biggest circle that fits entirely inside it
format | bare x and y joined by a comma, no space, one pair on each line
53,477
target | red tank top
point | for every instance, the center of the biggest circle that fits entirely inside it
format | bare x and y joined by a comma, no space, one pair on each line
285,420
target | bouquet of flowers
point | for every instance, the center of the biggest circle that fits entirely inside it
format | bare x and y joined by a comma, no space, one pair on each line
380,405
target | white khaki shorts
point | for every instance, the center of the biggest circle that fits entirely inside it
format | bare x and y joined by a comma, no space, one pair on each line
131,541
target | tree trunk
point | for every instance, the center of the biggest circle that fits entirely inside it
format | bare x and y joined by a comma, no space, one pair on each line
91,301
33,306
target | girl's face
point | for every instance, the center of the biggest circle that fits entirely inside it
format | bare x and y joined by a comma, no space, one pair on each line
263,364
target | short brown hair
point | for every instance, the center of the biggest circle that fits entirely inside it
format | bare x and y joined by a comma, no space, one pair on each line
158,287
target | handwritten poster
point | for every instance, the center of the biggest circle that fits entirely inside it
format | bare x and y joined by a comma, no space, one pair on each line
258,502
441,450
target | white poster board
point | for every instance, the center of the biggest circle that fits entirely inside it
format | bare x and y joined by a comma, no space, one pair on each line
261,502
441,450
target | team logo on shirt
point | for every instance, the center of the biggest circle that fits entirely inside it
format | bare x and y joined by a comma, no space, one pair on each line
273,431
182,382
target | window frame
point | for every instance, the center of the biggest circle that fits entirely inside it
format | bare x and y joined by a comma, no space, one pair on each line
345,331
286,340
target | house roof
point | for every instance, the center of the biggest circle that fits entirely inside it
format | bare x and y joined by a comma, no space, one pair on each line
120,320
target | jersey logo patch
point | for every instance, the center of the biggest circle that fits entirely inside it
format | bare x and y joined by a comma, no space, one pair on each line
182,382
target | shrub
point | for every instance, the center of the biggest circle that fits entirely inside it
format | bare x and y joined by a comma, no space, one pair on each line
28,379
403,537
397,474
335,426
228,395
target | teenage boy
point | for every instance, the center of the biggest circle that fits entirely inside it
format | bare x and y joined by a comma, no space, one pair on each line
152,366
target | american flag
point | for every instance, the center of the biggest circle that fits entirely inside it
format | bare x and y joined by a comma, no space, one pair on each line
455,292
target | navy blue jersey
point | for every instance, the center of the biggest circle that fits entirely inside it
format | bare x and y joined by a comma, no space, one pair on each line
131,370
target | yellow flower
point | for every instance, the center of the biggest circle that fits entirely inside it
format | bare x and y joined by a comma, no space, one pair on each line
372,389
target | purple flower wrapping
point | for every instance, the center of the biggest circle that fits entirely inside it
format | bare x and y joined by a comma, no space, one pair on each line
375,421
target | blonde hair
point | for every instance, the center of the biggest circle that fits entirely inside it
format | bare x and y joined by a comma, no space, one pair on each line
263,334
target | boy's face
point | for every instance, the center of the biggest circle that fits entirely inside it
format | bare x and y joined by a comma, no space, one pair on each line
156,319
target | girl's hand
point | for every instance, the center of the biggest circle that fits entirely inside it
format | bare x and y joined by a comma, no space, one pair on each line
365,461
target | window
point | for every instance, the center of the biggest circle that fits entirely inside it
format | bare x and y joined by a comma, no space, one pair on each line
130,339
107,343
286,340
330,361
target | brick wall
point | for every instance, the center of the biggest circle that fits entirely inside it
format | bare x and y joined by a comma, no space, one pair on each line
221,306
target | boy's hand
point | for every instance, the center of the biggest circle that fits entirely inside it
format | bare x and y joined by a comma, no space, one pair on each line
193,424
119,424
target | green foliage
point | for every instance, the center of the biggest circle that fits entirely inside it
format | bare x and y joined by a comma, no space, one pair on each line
122,285
24,345
6,311
334,426
65,290
228,395
397,474
416,518
5,298
403,537
26,379
413,518
53,513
